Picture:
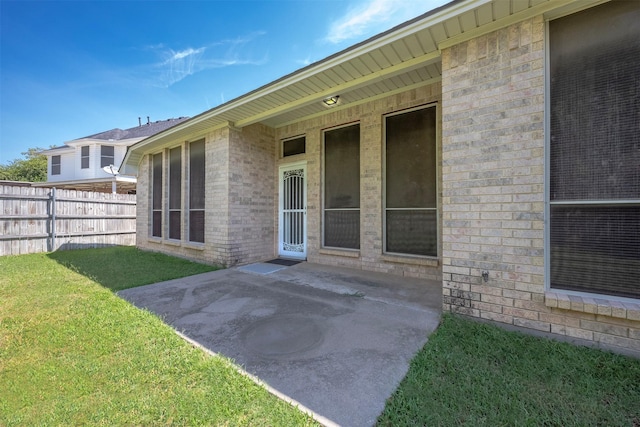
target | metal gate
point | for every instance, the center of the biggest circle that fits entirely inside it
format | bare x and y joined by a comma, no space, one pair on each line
293,212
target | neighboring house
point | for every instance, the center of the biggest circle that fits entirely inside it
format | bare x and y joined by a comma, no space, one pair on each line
490,145
79,164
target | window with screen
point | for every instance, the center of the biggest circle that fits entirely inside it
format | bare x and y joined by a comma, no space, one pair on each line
411,211
594,150
196,191
156,195
342,187
175,193
106,155
291,147
55,165
84,157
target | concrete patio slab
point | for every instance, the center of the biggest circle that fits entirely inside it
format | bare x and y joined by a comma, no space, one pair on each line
261,268
336,340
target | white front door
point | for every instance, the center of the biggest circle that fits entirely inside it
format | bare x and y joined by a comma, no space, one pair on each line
292,223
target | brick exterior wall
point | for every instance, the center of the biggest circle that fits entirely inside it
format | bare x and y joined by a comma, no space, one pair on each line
491,173
493,194
242,192
252,194
370,116
239,202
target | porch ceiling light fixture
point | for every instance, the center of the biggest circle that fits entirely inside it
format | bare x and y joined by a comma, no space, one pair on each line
331,101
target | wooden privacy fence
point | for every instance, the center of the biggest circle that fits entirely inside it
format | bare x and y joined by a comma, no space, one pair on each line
36,219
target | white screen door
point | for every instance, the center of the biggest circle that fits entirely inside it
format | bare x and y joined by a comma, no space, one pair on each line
292,224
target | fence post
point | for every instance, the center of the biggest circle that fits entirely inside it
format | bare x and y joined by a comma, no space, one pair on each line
52,219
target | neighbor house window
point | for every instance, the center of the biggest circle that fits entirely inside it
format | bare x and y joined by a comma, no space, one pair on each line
106,155
196,191
84,157
55,165
342,187
175,193
594,151
291,147
156,197
411,211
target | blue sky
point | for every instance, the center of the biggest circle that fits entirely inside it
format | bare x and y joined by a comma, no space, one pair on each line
69,69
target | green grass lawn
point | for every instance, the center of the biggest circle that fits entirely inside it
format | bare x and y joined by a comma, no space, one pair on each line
123,267
477,374
73,353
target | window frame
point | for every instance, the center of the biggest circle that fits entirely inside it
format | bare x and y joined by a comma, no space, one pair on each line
85,159
104,156
190,189
56,166
436,209
159,193
324,188
548,203
172,188
293,138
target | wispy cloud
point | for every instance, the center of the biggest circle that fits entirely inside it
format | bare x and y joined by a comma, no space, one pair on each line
176,65
373,16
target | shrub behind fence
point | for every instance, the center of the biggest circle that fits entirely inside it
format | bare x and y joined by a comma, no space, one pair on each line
36,219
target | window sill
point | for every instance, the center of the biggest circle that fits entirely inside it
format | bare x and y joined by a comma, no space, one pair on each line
340,252
194,245
413,260
601,306
173,242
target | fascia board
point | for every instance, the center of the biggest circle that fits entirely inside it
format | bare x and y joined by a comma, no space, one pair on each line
126,142
57,150
81,141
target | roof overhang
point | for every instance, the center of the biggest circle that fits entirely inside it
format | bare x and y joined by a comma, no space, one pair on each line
124,184
57,150
87,141
397,60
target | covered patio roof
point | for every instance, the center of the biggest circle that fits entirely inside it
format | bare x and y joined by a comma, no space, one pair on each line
124,184
397,60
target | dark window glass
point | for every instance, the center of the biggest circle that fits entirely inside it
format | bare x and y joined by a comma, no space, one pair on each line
595,103
342,228
342,187
596,249
595,150
196,191
411,187
291,147
157,223
55,165
156,202
196,226
175,194
84,157
106,155
412,232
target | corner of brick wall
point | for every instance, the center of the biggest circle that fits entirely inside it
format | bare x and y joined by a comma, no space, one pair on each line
493,194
